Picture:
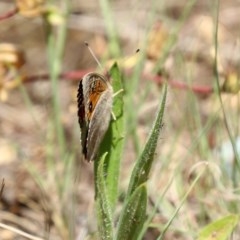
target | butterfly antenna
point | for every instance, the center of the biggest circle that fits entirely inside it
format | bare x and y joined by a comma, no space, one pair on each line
93,55
131,57
136,52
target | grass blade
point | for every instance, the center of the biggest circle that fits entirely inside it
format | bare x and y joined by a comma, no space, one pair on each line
220,229
113,140
133,215
142,168
114,45
104,214
161,237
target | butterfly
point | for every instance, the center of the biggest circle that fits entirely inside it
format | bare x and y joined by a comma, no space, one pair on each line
95,98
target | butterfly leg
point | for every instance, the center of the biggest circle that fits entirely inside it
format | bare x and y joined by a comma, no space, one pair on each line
114,95
118,92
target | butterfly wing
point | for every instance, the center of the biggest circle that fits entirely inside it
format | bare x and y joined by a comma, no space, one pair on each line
94,111
81,117
99,123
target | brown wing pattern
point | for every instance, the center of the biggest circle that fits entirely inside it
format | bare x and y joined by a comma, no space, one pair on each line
93,88
96,88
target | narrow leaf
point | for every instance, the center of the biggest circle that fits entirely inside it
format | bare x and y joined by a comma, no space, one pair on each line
133,215
104,214
113,140
220,229
142,168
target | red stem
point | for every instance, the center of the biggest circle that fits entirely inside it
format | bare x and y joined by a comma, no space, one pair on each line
72,75
77,75
204,90
9,14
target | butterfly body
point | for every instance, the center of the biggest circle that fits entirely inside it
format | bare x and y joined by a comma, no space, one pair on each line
95,97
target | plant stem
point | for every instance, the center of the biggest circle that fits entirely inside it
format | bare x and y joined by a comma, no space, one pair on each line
236,164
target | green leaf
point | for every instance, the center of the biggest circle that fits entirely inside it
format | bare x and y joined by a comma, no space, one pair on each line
113,140
220,229
104,214
142,168
133,215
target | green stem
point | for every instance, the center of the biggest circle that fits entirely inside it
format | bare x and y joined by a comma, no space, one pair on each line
180,205
56,43
236,164
111,28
